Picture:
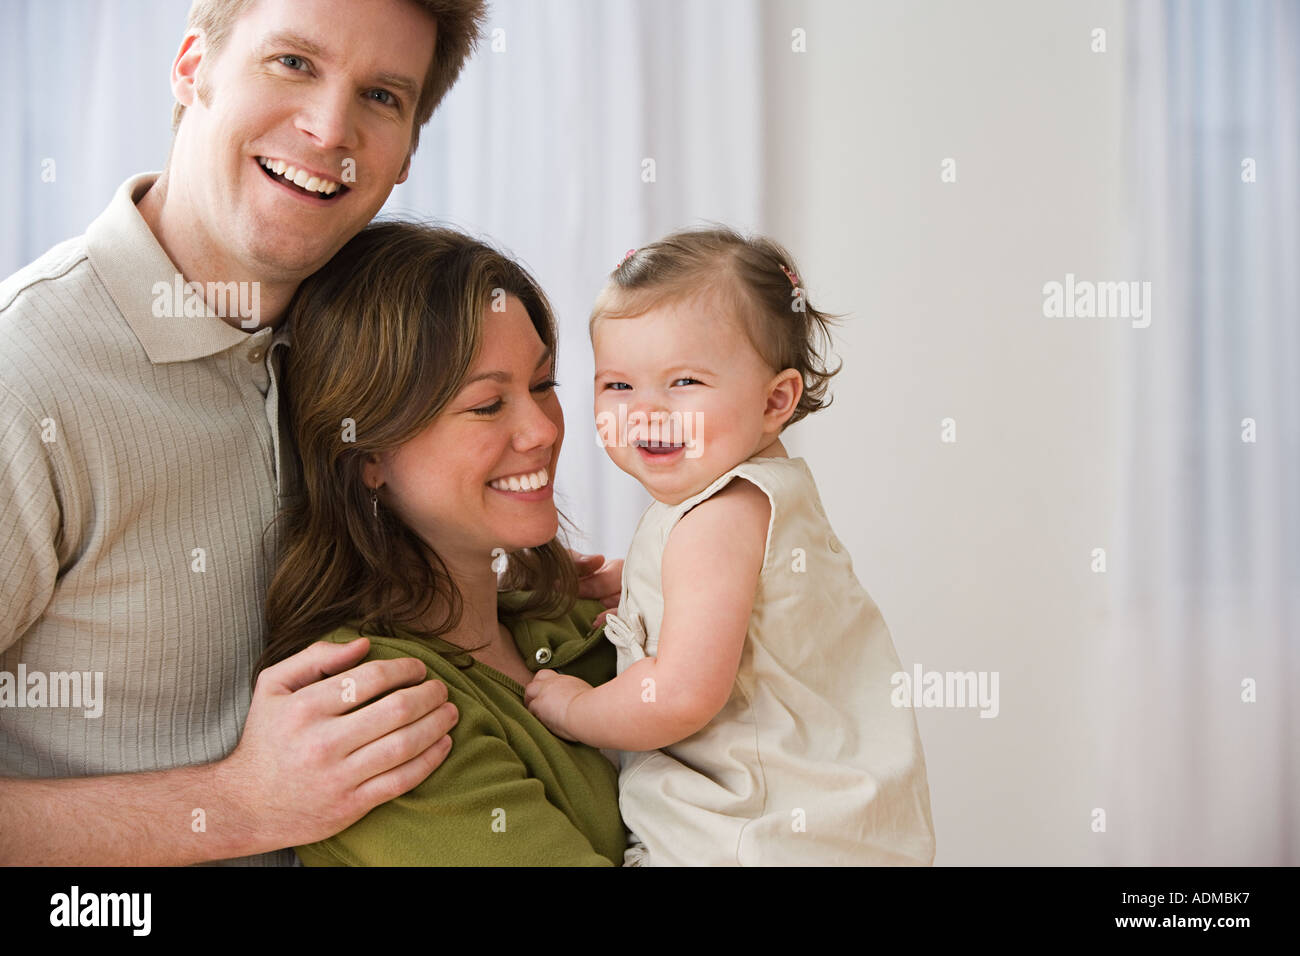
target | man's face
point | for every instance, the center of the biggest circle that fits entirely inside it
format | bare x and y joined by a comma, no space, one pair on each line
329,87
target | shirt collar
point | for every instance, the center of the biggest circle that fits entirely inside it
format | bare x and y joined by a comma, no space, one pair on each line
125,253
564,639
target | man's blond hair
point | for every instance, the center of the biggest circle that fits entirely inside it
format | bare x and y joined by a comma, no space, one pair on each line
460,23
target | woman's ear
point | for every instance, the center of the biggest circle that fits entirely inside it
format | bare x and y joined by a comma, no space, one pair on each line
372,471
783,394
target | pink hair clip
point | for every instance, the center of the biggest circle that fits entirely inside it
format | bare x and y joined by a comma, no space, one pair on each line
629,255
794,279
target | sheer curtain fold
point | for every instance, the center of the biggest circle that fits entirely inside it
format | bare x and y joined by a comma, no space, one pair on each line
1208,526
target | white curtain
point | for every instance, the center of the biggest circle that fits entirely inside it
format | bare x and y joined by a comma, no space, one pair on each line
84,103
1205,571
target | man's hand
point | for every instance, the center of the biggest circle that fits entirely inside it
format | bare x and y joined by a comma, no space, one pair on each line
548,696
312,760
599,580
318,751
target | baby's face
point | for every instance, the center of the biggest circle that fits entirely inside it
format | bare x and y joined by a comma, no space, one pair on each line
680,396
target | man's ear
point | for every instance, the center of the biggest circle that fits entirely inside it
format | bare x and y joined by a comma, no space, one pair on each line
783,394
185,68
406,170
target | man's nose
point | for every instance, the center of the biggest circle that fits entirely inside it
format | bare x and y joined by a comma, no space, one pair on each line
328,117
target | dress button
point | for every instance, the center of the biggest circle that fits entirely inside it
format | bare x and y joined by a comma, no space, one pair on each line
543,655
255,355
834,543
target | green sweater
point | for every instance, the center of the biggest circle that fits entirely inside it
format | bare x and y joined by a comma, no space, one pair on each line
510,793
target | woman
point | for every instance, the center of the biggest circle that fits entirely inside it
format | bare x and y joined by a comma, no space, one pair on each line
425,415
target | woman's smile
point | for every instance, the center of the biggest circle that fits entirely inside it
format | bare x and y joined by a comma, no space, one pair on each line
530,486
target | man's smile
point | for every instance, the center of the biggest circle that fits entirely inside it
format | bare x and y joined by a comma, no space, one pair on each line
303,182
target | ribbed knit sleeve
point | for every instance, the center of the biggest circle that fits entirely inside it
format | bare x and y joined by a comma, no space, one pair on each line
29,519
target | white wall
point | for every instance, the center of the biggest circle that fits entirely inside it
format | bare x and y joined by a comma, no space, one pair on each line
977,552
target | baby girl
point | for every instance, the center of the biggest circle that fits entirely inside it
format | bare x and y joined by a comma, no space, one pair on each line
752,702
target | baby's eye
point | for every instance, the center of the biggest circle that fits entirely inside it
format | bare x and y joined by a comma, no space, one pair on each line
618,386
693,381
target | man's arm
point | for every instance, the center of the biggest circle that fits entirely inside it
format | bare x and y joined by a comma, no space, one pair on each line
305,768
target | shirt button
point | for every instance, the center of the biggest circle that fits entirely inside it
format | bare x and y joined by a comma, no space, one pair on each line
543,655
255,355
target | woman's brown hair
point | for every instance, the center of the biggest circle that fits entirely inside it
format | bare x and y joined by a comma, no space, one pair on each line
383,337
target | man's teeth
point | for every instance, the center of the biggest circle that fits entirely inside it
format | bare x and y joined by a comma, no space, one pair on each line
537,479
300,177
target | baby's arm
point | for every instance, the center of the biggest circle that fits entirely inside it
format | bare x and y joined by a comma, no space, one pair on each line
711,566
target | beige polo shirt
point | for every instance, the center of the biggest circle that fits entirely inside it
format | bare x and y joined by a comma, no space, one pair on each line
141,463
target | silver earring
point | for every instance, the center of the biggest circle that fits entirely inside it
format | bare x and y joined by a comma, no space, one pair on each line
374,501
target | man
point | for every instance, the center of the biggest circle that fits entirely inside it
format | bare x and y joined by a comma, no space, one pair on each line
142,458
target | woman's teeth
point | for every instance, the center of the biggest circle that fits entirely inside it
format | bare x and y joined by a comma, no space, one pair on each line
299,177
537,479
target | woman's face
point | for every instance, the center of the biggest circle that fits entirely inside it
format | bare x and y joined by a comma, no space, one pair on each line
450,483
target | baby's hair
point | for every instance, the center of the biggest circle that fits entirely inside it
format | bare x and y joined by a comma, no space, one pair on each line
753,278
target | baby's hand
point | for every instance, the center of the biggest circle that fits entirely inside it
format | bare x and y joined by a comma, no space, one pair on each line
548,696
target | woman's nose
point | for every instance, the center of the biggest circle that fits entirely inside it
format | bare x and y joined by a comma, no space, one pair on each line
540,427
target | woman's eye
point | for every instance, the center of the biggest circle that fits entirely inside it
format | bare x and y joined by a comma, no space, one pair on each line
496,406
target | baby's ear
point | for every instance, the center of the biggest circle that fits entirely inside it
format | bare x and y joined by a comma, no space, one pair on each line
783,394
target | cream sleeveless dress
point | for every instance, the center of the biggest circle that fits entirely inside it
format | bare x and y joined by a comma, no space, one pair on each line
808,763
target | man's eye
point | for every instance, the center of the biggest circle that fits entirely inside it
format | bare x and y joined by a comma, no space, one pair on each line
383,97
488,409
293,61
